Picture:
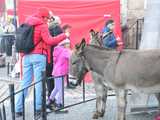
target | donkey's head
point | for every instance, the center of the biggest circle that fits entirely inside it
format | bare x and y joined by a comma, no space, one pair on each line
78,66
95,38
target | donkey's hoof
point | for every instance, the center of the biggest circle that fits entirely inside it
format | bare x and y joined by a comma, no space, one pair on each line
101,114
97,115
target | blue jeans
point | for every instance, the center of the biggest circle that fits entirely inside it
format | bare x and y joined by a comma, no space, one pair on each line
33,65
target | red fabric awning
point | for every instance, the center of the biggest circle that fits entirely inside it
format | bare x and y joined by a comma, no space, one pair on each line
82,15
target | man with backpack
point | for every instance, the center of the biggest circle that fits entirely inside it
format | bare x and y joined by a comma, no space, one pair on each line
35,58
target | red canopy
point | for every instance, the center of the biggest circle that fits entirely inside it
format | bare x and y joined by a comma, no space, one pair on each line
82,15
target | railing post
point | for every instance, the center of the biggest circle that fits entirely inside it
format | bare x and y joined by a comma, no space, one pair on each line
140,29
8,68
4,112
0,114
84,95
137,34
12,67
23,102
44,115
12,100
34,101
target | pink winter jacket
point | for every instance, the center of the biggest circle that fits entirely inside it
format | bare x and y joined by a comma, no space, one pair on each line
61,58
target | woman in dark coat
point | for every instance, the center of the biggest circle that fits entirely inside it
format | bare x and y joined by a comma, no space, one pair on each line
54,29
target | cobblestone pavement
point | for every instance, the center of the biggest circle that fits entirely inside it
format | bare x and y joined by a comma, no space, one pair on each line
86,110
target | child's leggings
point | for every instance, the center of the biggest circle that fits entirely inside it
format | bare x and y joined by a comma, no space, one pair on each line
57,91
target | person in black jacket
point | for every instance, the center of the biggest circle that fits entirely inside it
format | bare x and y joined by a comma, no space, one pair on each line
54,29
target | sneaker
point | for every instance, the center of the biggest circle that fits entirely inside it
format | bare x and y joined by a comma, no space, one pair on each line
51,105
59,106
48,110
18,114
60,109
71,86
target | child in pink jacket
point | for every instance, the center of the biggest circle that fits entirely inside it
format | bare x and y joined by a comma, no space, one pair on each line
61,56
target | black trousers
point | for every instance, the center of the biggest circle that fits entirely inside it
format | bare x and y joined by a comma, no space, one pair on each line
50,81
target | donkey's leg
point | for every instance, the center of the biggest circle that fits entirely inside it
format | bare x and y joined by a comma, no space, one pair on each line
101,96
121,104
158,98
158,114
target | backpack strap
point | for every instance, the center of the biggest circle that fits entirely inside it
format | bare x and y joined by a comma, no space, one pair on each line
106,34
35,44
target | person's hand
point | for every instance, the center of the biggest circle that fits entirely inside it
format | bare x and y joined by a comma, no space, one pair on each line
118,38
67,34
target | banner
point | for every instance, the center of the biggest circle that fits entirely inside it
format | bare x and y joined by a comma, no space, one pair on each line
82,15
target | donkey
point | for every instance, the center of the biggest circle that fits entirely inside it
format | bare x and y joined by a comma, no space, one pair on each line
131,69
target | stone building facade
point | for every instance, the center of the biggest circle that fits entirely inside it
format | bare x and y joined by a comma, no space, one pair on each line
131,10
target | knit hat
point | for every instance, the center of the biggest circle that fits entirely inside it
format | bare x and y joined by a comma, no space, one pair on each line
43,12
66,41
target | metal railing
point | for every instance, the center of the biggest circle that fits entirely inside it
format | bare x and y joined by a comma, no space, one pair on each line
11,97
132,35
11,100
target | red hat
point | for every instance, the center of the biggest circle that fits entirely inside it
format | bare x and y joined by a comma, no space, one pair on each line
43,12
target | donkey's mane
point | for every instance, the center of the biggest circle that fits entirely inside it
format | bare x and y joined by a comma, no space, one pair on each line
101,48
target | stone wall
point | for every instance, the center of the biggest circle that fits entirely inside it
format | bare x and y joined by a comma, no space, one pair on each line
131,10
135,10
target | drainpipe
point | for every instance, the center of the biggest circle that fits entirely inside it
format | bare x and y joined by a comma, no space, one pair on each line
14,60
15,14
124,12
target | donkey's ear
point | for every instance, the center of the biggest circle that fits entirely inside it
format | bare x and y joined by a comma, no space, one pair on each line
92,32
77,46
83,43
